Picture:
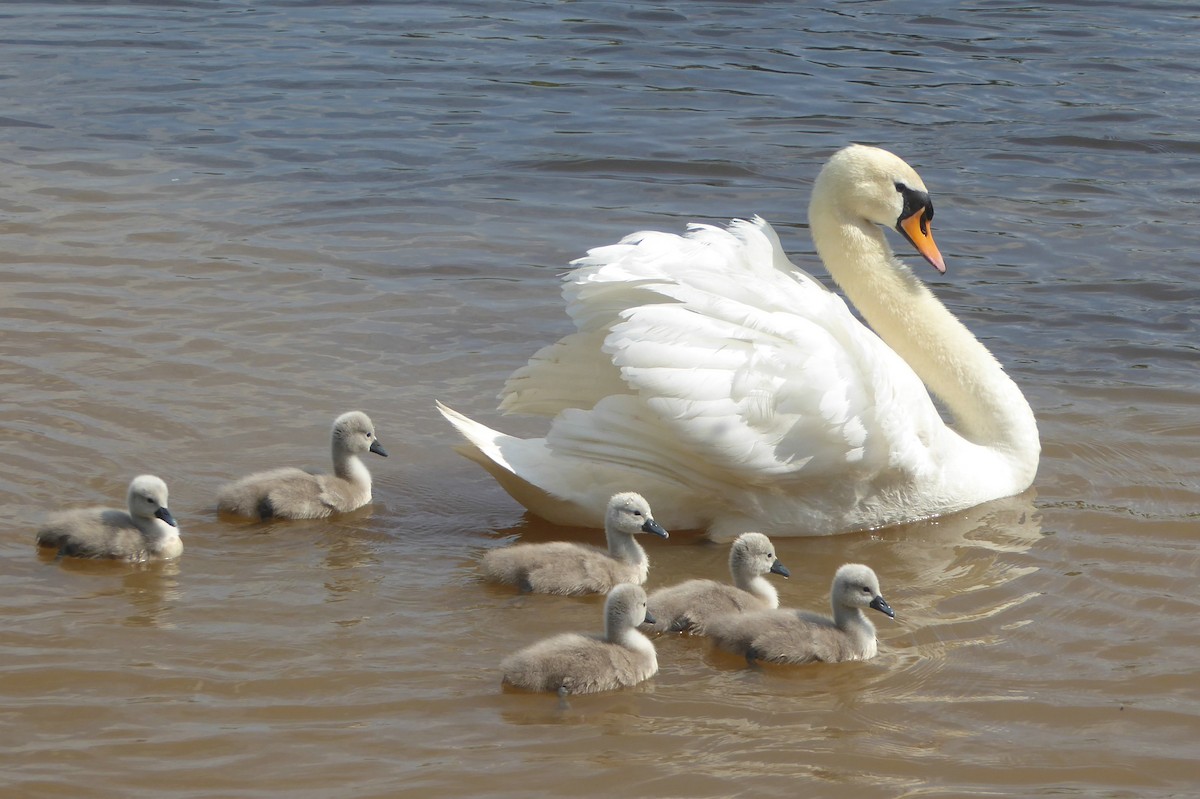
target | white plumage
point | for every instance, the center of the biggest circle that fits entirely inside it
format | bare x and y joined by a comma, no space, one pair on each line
737,393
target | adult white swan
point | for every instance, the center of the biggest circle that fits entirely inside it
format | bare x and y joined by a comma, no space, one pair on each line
736,393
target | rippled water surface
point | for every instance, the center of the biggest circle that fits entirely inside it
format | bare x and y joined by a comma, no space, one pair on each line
221,225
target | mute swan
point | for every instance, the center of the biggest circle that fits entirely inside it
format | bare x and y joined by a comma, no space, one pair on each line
585,664
739,394
291,493
795,636
563,567
148,531
691,604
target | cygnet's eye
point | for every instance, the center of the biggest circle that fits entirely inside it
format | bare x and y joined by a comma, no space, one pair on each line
867,589
637,513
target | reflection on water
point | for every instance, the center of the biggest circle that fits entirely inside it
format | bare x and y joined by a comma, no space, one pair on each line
153,591
219,230
151,588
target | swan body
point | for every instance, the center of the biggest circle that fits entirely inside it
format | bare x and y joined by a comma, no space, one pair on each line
738,393
147,532
690,605
291,493
792,636
572,663
564,567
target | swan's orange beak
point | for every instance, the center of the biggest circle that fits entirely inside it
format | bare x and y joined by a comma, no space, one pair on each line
916,229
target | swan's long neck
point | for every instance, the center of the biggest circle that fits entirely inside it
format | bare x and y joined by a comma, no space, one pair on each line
763,589
347,466
624,547
152,527
855,623
988,408
619,632
756,584
160,537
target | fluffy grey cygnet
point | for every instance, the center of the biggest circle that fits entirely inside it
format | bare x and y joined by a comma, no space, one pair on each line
793,636
291,493
147,532
564,567
690,605
572,663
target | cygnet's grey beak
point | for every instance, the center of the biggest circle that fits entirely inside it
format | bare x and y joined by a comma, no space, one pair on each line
880,604
650,619
652,526
779,568
165,515
377,449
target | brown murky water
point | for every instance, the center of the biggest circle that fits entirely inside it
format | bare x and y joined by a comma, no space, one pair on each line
220,227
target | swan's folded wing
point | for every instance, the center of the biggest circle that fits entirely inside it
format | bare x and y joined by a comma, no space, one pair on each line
733,364
575,372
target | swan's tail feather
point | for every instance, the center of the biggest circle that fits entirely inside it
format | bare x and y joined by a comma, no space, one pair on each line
486,447
482,446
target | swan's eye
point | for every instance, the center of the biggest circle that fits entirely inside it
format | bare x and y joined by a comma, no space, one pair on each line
916,201
867,590
637,513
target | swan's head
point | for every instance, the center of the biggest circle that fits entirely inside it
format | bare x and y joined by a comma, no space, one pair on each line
629,513
753,554
856,586
626,607
876,185
148,499
353,432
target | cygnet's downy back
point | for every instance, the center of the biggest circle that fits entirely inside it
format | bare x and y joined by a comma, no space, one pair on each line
565,567
689,606
791,636
147,531
291,493
572,663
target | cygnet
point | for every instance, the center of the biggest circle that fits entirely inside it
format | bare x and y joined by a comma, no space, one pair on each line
147,532
572,663
564,567
690,605
792,636
291,493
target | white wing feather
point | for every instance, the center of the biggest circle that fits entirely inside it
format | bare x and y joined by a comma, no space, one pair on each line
762,376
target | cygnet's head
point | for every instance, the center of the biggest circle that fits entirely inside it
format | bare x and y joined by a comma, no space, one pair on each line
856,586
353,432
626,608
754,554
880,187
148,499
629,513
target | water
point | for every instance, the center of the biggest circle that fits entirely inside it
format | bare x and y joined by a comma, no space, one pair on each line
222,225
